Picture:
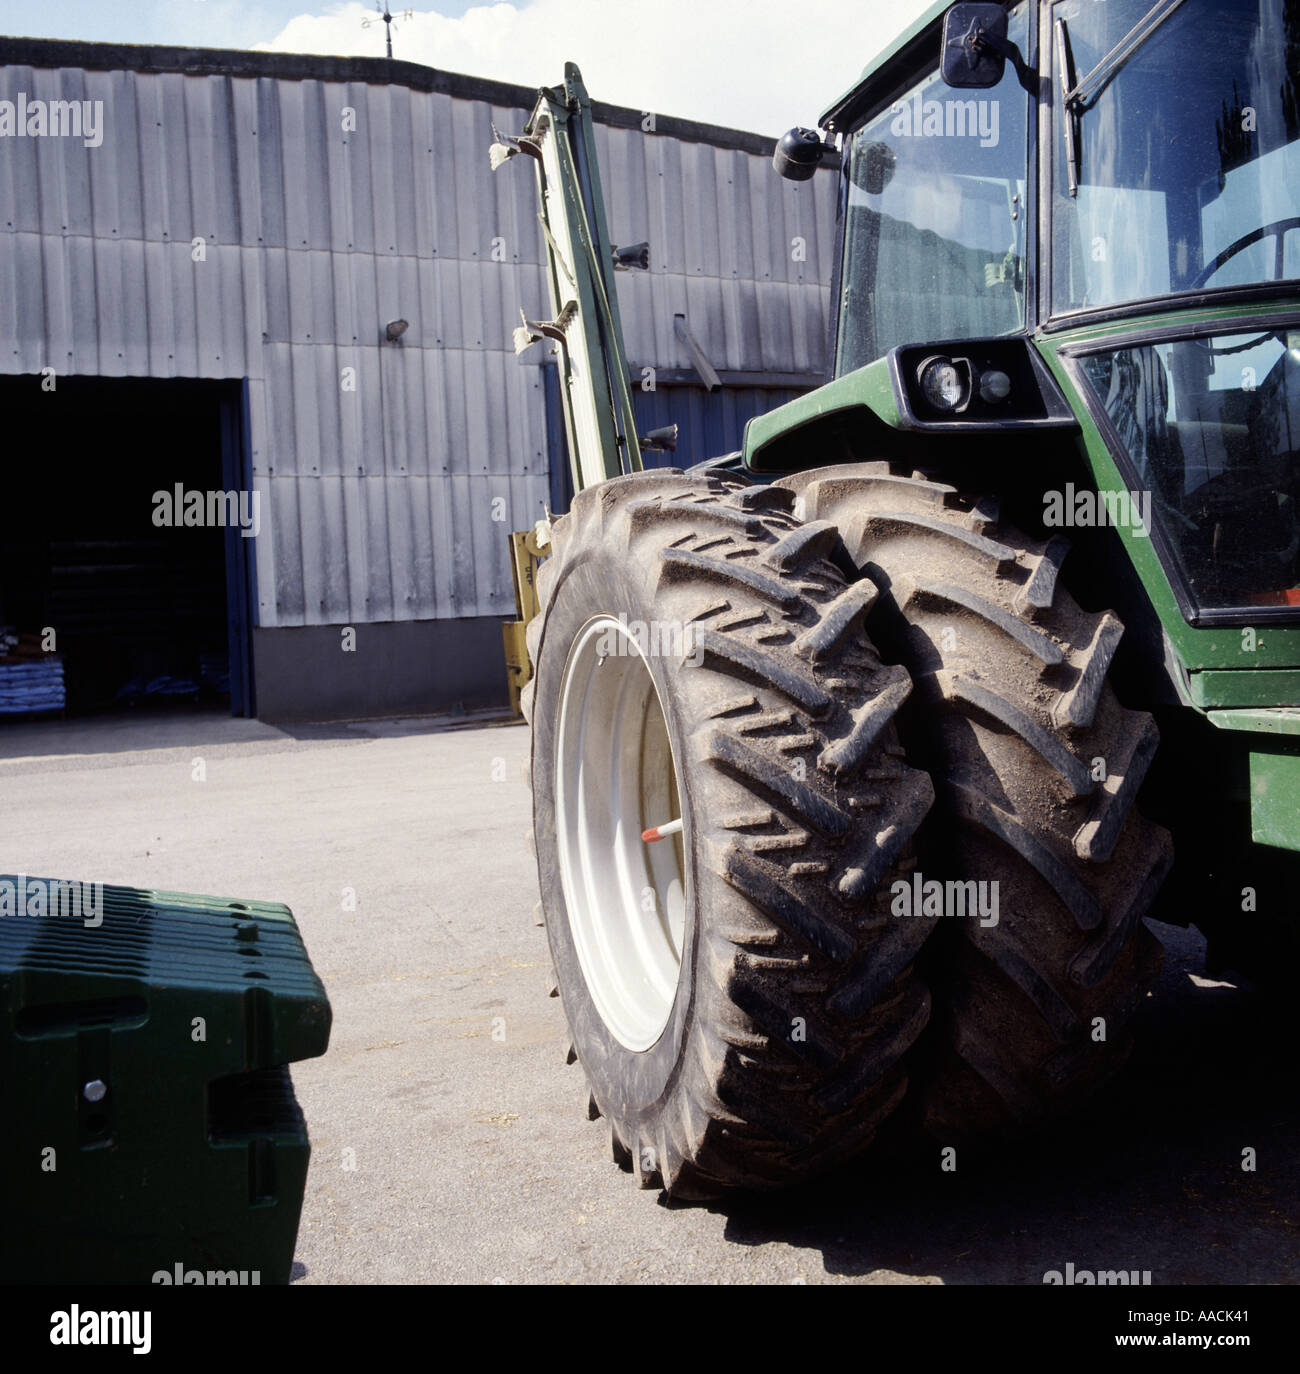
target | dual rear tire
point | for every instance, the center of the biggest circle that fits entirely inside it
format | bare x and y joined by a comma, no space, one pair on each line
746,997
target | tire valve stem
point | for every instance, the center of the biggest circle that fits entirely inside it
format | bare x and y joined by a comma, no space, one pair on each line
661,832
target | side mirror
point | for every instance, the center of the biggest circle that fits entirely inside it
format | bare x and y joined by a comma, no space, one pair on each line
798,154
975,46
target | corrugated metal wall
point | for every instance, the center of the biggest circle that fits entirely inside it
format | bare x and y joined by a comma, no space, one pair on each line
709,423
380,481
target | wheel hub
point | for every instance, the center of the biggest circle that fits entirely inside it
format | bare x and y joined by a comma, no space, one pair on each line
615,777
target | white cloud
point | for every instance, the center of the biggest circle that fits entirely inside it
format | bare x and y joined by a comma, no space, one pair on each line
762,65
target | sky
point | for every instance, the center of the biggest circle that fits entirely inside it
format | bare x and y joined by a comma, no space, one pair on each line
762,65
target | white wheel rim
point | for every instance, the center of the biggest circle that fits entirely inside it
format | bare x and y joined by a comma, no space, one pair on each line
615,776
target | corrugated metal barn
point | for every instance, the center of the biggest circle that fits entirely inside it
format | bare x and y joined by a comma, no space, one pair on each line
196,291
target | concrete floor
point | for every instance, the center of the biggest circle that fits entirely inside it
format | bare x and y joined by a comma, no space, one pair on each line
474,1158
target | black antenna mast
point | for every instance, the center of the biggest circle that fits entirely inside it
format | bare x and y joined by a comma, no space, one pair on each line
388,21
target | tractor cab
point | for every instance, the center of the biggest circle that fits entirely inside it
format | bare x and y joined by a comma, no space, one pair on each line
1116,187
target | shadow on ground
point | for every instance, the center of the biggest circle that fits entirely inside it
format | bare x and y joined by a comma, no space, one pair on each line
129,731
1153,1180
104,739
397,727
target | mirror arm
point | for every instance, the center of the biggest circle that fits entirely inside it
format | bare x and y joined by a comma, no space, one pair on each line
1026,75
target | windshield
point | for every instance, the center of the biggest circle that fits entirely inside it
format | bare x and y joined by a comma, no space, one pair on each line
934,244
1188,159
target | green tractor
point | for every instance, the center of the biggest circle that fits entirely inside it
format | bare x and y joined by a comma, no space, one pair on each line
859,757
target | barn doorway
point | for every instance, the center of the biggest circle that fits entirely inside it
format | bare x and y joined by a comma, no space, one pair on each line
125,570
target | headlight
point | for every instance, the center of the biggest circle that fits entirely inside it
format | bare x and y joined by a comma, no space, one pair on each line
944,383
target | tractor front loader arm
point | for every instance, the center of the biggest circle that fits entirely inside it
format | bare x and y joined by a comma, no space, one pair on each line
598,416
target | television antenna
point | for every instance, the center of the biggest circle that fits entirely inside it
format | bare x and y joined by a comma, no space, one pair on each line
388,21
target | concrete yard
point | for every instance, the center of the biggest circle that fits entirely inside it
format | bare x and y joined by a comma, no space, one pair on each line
445,1082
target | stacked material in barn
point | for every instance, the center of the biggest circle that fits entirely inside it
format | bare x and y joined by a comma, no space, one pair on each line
162,687
30,679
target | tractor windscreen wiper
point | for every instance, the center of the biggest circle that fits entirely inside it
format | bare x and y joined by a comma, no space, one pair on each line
1076,97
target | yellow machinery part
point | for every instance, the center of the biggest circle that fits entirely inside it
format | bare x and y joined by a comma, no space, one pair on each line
525,556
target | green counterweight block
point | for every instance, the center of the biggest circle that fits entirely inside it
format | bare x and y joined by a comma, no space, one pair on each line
150,1125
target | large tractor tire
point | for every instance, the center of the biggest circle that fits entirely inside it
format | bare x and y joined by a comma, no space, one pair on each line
737,993
1036,766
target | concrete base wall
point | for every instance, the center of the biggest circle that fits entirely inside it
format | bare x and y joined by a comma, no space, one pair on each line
415,667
